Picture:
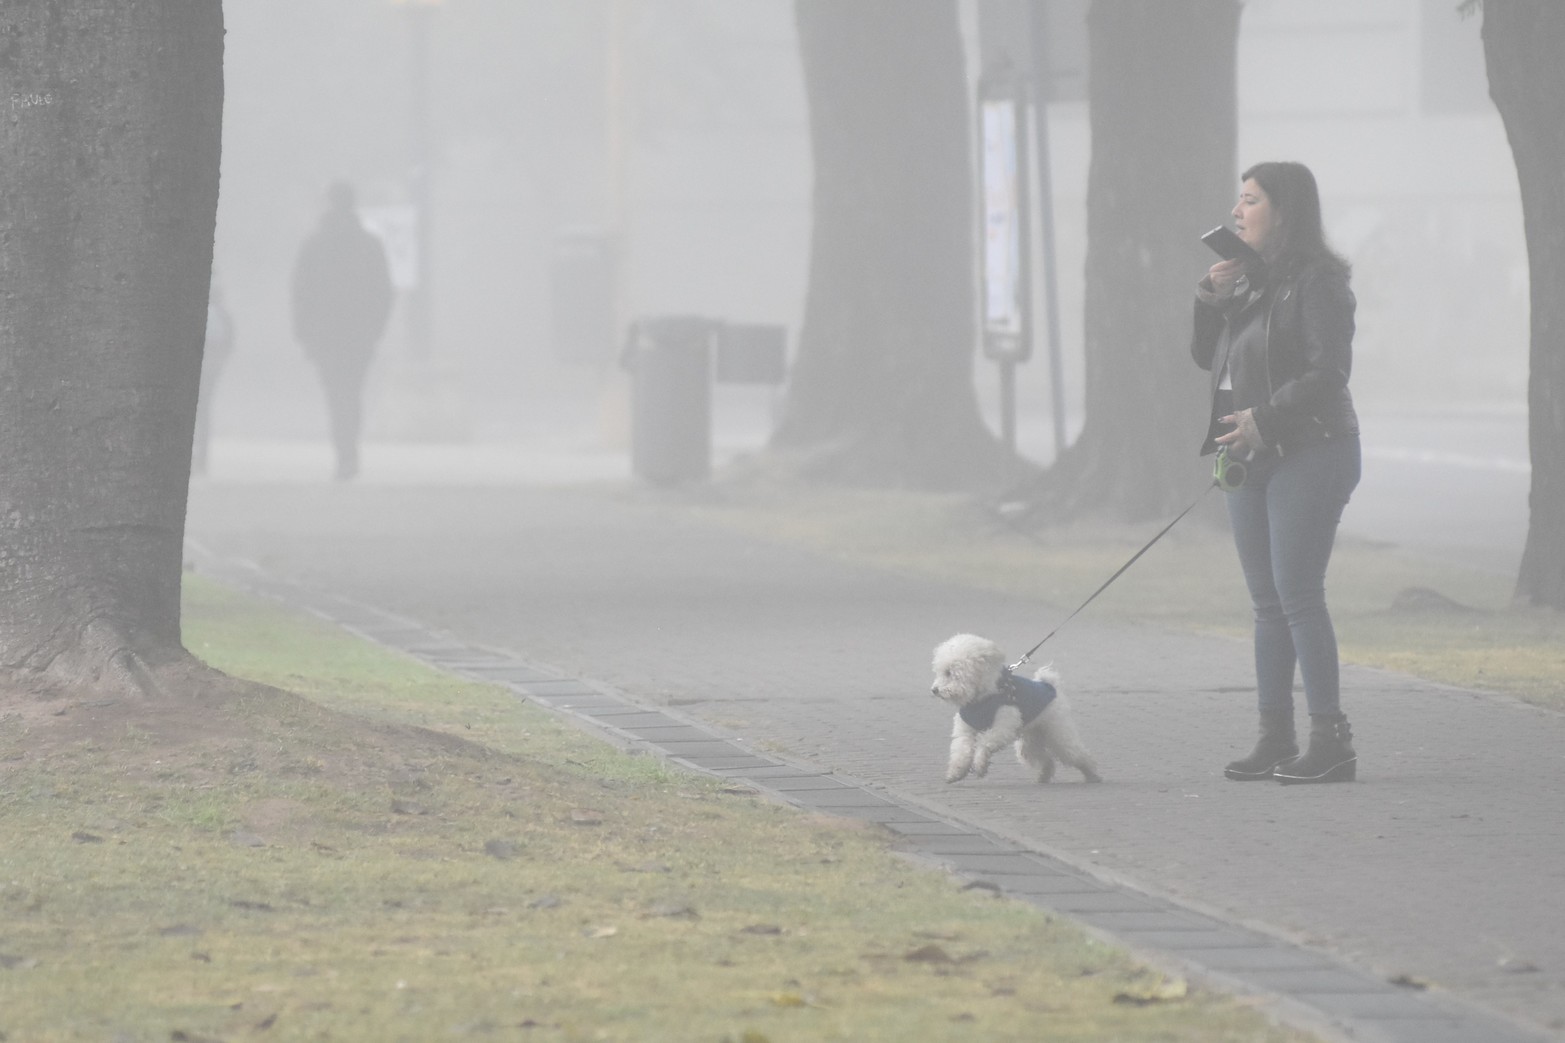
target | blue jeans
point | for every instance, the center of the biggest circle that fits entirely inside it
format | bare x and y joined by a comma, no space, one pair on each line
1284,523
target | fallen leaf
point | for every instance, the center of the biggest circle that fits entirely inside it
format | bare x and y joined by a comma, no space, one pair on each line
1165,990
179,930
501,849
930,953
601,932
674,912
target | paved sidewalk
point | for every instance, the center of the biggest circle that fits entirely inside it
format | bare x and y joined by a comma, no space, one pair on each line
1444,865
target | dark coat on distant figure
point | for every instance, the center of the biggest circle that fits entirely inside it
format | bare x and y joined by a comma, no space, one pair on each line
342,291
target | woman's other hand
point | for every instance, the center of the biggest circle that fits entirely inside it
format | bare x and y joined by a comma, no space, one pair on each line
1245,434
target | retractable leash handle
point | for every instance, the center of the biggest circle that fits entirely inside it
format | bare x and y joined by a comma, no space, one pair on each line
1217,483
1227,473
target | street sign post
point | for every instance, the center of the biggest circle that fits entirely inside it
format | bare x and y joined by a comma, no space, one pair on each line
1006,250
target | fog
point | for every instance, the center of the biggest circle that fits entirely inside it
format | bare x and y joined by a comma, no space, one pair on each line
525,132
699,160
677,128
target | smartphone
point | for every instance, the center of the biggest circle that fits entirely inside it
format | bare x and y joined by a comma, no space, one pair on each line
1227,244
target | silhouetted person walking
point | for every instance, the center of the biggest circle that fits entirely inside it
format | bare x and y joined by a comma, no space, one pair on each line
341,299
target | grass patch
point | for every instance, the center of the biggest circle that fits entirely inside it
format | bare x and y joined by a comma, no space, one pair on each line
394,855
1468,634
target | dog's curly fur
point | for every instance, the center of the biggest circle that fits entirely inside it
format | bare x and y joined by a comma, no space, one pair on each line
968,668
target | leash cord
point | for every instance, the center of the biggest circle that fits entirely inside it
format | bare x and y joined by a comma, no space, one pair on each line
1133,559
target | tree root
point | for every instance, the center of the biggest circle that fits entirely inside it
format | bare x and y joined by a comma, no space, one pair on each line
104,664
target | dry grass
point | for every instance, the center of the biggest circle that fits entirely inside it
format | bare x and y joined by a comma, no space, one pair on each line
394,855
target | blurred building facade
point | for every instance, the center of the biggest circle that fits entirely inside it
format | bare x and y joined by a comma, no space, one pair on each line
1388,101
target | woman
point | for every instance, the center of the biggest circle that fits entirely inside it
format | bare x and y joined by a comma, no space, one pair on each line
1278,342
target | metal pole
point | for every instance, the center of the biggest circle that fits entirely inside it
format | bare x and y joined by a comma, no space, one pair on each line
1051,302
1005,186
1024,264
1008,404
617,130
423,166
615,391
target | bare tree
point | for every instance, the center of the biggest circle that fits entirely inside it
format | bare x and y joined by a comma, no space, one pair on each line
882,390
1523,41
109,157
1162,104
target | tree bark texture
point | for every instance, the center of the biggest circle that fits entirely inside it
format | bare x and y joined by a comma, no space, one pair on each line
882,388
1523,44
109,149
1163,112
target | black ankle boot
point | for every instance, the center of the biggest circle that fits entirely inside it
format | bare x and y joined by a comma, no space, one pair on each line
1277,745
1330,758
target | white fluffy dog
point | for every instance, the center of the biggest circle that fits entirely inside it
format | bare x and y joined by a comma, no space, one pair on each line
995,708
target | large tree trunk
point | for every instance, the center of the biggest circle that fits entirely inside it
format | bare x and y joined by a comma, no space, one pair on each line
882,388
1523,44
1163,111
109,158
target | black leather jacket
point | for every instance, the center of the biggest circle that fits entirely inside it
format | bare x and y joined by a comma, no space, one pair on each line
1294,374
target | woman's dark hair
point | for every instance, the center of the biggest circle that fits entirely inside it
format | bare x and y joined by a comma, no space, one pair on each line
1300,238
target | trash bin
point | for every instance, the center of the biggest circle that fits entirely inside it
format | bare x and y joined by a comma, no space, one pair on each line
670,361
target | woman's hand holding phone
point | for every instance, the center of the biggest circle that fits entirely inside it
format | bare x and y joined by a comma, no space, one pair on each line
1224,275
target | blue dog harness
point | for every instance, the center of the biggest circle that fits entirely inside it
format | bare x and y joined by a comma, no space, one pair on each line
1028,696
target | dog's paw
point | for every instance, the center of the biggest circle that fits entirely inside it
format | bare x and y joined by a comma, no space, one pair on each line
955,776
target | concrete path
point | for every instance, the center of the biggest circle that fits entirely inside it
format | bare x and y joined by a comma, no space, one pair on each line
1444,865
